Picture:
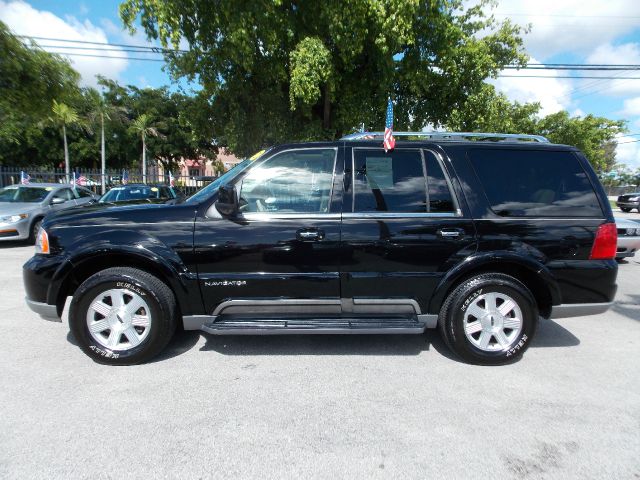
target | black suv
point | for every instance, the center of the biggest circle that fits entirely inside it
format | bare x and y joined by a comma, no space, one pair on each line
476,234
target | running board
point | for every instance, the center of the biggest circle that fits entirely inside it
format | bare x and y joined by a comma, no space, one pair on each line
324,326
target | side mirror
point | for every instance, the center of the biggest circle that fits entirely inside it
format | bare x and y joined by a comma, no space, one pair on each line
227,203
57,201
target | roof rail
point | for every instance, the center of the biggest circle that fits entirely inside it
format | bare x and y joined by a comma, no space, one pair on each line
451,136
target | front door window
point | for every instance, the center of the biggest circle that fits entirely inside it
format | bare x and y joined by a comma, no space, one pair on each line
296,181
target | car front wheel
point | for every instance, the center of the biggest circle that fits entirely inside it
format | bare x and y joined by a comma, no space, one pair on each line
489,319
122,316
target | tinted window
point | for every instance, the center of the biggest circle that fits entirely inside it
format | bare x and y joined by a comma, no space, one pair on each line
82,193
525,183
23,194
66,194
294,181
440,198
389,182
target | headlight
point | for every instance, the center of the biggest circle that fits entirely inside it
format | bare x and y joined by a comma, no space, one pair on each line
631,231
13,218
42,242
637,231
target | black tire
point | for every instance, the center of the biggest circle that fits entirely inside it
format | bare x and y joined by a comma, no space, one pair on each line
157,295
625,209
452,318
33,232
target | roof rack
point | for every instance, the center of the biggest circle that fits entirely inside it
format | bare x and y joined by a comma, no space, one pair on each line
451,136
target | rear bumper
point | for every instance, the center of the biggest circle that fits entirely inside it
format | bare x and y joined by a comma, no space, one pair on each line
46,311
567,310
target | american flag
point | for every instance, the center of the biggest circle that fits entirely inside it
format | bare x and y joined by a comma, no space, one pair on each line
78,180
172,180
24,178
125,177
389,142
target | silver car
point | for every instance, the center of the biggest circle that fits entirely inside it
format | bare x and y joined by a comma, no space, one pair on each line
628,237
22,207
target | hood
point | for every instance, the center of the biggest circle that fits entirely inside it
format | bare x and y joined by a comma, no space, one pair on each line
141,201
9,208
106,214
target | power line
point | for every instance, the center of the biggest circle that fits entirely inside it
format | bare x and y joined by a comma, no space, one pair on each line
561,15
86,42
569,76
108,56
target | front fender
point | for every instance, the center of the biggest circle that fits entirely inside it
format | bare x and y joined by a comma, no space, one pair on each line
125,248
500,261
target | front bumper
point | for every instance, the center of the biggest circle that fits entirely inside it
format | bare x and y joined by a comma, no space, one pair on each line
46,311
15,231
627,246
628,204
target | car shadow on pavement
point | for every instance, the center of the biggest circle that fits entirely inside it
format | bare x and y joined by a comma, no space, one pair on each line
319,344
628,307
14,243
182,342
552,334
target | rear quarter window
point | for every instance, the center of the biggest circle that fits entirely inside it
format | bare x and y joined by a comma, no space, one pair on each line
535,183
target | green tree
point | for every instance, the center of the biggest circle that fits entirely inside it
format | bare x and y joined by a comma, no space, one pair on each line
64,116
490,111
31,78
143,127
276,70
592,135
102,110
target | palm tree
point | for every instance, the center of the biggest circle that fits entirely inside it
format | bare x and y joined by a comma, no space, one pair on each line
103,110
64,116
142,126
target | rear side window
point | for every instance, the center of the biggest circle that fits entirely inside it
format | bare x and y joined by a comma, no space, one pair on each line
535,183
402,181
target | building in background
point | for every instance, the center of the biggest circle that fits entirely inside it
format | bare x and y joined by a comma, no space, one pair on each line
192,169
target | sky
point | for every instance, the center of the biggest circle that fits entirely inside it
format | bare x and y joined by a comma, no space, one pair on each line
562,31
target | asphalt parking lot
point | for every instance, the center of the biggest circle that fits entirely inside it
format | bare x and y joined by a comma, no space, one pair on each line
321,406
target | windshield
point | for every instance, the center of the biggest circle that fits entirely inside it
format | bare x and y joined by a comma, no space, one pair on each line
23,194
137,192
213,186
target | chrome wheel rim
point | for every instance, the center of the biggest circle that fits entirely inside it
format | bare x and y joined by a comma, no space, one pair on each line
493,322
119,319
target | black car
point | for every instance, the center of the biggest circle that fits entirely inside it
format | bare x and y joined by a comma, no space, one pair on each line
629,201
478,237
142,193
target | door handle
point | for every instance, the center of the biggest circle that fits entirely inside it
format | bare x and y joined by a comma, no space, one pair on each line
309,234
450,232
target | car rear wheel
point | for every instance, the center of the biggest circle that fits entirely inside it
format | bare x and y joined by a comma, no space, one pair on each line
123,316
489,319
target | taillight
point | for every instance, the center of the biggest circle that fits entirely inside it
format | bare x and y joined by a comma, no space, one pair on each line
605,243
42,242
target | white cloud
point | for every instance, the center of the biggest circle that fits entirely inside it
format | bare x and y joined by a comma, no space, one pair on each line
23,19
576,26
625,54
552,93
631,107
628,152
